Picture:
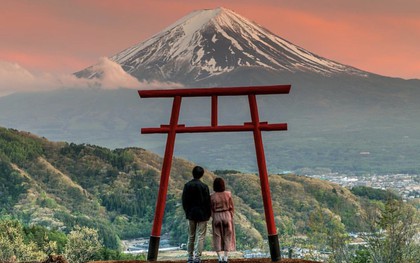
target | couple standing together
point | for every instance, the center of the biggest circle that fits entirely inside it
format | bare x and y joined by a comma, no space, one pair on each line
199,206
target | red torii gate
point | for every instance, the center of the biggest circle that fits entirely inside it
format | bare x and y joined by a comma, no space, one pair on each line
255,126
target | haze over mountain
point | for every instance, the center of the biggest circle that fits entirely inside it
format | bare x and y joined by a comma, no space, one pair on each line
334,111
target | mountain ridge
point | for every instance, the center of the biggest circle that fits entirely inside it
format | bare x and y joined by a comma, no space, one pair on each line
115,192
331,120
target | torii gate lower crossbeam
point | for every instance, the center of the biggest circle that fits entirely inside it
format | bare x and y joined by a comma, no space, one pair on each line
255,126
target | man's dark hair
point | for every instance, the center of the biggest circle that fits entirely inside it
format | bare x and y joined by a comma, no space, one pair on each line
198,172
219,185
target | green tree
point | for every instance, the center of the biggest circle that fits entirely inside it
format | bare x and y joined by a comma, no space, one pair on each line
48,241
82,245
361,255
328,232
392,239
13,246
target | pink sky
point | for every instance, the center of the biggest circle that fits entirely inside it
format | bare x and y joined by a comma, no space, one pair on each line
62,37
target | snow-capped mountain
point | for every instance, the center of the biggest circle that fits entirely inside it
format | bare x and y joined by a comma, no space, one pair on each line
213,42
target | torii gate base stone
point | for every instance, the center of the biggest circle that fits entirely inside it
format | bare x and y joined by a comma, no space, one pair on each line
255,126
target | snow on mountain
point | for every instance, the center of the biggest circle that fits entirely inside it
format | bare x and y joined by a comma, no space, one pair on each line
207,43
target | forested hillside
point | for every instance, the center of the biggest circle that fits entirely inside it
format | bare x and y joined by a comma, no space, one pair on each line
61,185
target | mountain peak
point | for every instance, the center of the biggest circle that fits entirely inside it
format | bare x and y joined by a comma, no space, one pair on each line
200,18
211,42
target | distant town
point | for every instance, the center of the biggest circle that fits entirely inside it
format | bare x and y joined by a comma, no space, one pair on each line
405,185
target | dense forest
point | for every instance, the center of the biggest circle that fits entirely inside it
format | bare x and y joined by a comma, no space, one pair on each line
51,189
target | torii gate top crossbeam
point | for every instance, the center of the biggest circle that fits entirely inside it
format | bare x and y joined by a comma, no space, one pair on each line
208,92
214,93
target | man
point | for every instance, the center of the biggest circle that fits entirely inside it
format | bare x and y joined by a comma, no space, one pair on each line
196,204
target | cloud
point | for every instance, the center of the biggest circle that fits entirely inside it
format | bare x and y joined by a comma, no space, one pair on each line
14,78
113,75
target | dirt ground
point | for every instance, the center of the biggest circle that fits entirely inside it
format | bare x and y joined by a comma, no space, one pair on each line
252,260
207,257
60,259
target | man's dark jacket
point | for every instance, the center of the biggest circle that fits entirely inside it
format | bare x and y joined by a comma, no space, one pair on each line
196,201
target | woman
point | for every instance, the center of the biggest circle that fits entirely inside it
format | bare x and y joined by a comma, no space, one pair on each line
222,213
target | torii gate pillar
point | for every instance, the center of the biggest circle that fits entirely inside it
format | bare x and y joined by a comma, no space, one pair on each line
255,126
